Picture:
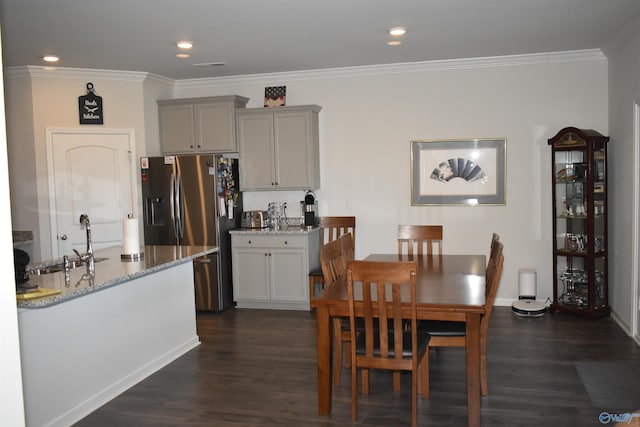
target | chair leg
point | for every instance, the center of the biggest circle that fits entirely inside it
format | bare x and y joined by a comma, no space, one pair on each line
347,358
354,393
423,385
396,381
337,350
312,289
346,341
365,380
484,387
414,397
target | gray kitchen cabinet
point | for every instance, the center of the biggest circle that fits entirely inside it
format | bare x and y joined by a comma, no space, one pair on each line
271,269
199,125
279,148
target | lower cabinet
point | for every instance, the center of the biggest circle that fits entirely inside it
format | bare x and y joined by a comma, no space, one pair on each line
271,269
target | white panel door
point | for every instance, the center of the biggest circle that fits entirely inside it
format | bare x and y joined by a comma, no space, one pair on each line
90,172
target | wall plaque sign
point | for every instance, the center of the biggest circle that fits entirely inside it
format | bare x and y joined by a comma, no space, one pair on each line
90,107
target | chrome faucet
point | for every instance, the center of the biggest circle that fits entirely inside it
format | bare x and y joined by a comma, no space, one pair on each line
88,256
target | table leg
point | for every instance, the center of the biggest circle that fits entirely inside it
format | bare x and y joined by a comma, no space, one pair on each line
473,368
323,330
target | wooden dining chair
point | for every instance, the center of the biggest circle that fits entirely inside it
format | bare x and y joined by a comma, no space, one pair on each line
331,228
333,265
453,334
419,239
375,292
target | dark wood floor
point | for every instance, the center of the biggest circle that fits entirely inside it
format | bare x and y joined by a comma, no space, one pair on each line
257,368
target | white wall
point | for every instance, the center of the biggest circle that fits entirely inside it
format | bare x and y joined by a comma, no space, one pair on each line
370,114
11,401
624,91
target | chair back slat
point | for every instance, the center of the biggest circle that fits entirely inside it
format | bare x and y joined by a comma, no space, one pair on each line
419,239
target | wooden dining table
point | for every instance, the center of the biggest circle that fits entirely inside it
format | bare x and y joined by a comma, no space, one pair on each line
449,287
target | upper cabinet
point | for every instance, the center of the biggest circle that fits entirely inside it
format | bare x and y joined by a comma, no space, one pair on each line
199,125
279,148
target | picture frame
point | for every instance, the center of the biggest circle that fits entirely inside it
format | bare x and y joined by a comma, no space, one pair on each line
465,172
275,96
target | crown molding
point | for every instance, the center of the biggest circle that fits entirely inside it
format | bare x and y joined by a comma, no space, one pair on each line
409,67
35,71
332,73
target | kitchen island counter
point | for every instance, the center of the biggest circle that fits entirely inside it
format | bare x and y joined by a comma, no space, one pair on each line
109,271
83,347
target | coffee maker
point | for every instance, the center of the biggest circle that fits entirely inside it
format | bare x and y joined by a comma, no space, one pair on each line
310,209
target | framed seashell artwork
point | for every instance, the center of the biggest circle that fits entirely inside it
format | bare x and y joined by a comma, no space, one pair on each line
458,172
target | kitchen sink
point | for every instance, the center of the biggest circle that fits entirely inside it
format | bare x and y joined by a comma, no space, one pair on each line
55,268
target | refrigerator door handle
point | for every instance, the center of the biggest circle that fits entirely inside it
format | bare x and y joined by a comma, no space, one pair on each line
179,205
172,198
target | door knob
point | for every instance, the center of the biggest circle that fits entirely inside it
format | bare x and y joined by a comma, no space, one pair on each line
63,237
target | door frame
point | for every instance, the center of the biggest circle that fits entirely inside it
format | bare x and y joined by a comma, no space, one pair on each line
50,132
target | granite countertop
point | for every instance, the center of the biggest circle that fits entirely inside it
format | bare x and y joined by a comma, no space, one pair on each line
297,229
108,272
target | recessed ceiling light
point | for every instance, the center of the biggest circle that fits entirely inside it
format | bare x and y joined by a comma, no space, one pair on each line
183,55
185,44
51,58
397,31
394,43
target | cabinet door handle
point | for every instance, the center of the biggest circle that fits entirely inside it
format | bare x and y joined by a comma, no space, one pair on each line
249,242
286,243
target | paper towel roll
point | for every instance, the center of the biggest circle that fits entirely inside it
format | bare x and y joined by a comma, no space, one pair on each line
131,237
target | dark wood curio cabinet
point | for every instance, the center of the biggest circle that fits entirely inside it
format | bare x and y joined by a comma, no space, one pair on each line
579,176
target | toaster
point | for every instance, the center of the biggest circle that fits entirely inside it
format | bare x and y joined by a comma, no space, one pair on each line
254,219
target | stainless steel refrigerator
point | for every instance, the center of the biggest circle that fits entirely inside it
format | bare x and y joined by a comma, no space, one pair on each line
194,200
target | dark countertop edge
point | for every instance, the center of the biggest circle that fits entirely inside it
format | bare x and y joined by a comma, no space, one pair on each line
59,299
